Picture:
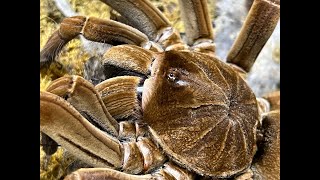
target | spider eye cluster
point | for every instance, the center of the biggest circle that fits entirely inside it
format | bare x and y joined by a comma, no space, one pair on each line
173,75
177,77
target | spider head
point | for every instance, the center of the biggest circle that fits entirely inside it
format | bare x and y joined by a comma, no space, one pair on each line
184,81
195,105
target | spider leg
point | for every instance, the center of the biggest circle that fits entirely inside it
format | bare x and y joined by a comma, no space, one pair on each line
127,60
120,96
122,90
266,164
268,102
144,16
63,123
74,116
274,99
247,175
141,14
198,26
104,173
258,27
83,96
168,172
93,29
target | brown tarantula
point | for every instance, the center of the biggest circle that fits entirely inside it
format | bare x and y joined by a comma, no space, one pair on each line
168,109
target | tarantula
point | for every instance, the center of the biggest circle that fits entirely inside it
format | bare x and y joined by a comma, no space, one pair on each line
168,109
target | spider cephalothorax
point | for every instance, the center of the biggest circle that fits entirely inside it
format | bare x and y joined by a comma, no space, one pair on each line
198,108
197,116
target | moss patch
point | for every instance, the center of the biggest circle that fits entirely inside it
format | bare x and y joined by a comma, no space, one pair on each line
55,166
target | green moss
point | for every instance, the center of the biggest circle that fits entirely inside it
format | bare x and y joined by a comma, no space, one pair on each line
55,166
93,8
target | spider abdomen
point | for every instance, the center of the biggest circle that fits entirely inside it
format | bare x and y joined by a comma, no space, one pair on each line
207,123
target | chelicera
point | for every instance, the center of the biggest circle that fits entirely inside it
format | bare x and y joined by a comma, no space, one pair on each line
196,118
